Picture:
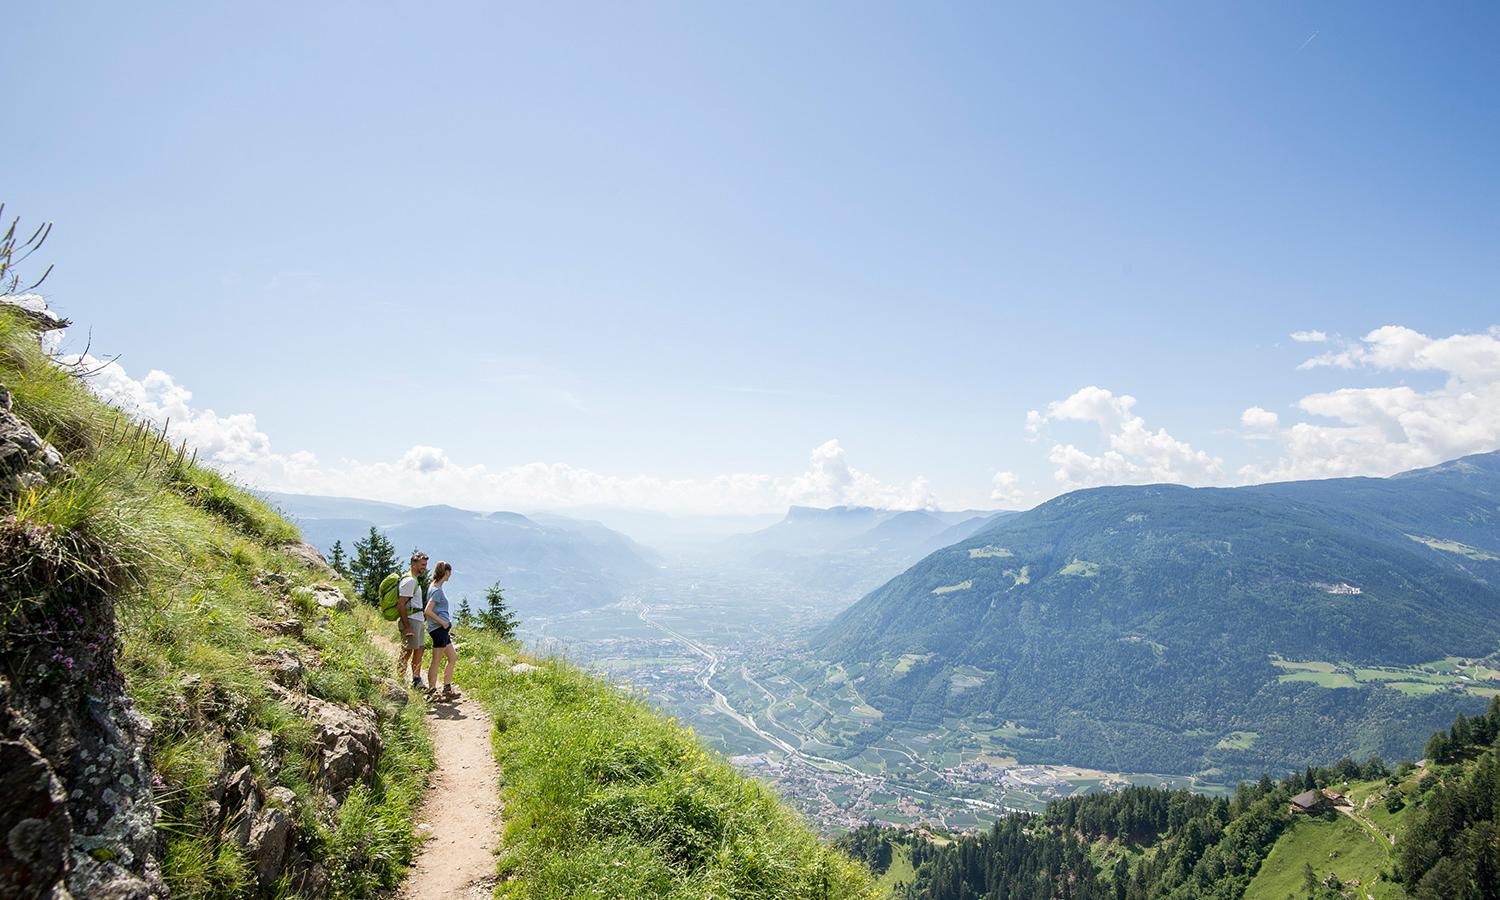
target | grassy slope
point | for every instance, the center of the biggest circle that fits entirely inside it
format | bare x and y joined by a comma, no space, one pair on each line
186,548
602,793
605,797
1341,845
1335,844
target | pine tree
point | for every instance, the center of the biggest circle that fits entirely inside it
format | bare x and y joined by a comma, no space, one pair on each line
338,560
465,617
496,617
374,558
1308,780
1437,748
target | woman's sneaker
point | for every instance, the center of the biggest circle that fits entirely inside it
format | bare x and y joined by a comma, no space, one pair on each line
449,693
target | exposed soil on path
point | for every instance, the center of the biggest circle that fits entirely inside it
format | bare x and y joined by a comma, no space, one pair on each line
462,806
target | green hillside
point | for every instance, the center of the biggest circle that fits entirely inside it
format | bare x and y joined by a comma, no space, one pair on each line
1424,831
192,705
1217,631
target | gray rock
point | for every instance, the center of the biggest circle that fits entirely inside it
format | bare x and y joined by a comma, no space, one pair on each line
394,691
286,628
285,667
307,555
523,668
35,834
268,841
326,596
26,461
348,740
349,743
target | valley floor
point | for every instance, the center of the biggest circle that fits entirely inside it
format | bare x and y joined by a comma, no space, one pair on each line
719,662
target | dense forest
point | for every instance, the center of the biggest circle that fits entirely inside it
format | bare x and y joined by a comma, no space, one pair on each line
1145,842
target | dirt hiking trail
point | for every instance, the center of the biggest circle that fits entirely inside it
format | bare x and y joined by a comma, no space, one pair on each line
460,815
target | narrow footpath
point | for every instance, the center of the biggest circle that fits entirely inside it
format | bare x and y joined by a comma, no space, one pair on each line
460,815
462,808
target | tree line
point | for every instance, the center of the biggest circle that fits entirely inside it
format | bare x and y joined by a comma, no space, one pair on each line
374,558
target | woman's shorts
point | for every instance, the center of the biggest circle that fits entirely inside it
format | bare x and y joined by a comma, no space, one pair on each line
440,638
414,641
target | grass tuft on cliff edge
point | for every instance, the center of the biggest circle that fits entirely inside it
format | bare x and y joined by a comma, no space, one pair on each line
184,555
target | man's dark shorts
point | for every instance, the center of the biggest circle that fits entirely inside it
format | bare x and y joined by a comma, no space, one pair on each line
440,638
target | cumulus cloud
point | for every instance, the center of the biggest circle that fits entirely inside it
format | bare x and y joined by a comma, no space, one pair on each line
424,474
1259,423
832,481
1133,454
1006,490
1309,337
1382,430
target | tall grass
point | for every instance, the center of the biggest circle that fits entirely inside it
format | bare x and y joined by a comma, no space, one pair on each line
605,797
179,552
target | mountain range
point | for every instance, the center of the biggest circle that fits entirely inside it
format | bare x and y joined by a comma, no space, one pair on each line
545,561
1199,630
850,549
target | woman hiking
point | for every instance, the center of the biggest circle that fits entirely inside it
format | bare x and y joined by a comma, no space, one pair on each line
440,625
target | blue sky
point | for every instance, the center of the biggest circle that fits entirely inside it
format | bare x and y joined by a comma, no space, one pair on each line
620,253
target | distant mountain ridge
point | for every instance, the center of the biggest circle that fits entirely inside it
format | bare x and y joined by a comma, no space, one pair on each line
851,548
545,561
1199,629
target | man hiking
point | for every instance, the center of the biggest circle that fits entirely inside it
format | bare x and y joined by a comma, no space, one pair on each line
411,601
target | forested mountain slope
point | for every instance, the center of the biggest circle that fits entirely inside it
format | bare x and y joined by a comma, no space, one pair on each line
1425,830
1185,630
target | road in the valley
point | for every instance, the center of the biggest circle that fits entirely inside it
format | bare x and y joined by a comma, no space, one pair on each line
722,704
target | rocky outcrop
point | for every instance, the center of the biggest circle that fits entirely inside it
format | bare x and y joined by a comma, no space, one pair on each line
347,740
34,824
26,461
33,309
324,595
78,814
308,556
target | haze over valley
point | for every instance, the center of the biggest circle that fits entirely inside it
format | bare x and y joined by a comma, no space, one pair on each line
945,667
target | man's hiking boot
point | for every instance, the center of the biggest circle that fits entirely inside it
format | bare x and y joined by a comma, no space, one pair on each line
417,685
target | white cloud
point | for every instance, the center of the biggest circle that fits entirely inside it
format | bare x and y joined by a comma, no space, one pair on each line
1006,490
424,475
1259,423
1382,430
1134,454
832,482
1309,337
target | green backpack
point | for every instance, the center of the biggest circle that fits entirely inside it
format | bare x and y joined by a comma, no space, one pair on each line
390,602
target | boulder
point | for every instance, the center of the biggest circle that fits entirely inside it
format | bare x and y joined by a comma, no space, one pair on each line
271,835
523,668
35,835
26,461
284,666
286,628
325,595
307,555
394,691
349,744
348,740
